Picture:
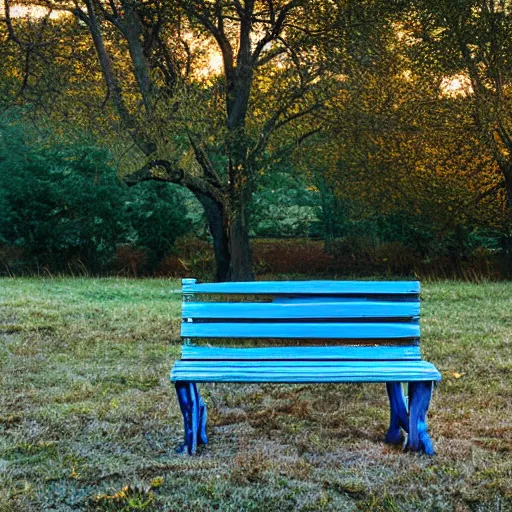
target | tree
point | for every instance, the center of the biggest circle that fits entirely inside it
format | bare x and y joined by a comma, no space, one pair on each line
146,52
399,143
471,40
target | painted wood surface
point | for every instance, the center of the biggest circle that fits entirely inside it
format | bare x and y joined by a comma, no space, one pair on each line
419,400
304,371
332,330
305,287
398,417
304,310
373,353
194,414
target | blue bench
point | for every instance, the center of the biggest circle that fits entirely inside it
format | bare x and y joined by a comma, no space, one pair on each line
357,331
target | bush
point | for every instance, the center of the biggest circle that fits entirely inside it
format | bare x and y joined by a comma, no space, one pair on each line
300,256
155,216
396,258
129,260
60,205
191,257
65,209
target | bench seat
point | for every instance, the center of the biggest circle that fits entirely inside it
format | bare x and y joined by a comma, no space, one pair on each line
304,371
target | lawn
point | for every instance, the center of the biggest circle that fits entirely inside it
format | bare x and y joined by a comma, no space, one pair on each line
89,420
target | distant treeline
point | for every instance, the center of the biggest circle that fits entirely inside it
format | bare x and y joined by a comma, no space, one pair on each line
65,210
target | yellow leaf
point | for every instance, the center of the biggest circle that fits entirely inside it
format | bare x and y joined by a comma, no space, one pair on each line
457,375
157,482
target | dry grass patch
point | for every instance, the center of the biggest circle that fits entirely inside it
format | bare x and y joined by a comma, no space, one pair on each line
89,421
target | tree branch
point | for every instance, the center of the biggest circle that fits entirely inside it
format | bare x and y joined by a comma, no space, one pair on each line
162,170
132,33
276,28
105,63
298,115
204,162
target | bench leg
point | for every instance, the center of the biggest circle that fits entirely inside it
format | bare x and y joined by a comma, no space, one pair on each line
194,413
398,413
419,400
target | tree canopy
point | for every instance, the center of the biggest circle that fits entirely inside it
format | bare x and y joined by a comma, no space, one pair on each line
396,107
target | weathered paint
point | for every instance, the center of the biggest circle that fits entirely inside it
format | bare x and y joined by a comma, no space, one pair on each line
331,353
300,310
304,371
305,287
398,420
419,400
331,330
194,414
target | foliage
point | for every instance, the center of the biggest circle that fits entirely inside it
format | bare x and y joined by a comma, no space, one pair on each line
129,499
403,158
378,121
469,44
283,206
65,209
156,216
154,97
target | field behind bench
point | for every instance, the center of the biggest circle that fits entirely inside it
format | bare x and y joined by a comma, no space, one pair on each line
89,420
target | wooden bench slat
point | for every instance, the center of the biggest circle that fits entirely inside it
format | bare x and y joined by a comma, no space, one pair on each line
305,287
397,352
303,309
304,371
357,330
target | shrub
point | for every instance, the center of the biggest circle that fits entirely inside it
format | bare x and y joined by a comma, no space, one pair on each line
129,260
190,257
64,208
154,216
396,258
59,204
299,256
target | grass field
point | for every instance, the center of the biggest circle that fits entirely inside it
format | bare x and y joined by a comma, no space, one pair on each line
89,420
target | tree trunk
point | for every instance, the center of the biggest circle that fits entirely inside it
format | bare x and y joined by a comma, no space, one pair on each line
507,174
216,223
240,188
507,239
240,248
231,243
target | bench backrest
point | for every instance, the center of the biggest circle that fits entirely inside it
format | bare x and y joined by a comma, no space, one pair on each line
357,319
